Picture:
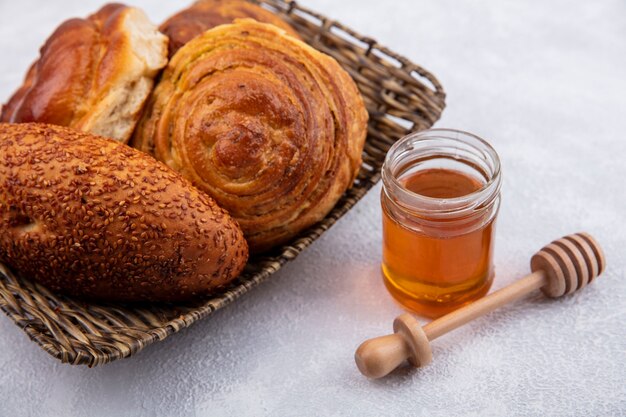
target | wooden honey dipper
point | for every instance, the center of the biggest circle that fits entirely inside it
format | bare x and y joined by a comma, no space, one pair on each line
562,267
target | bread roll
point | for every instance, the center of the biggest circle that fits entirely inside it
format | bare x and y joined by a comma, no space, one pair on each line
206,14
269,127
93,74
92,218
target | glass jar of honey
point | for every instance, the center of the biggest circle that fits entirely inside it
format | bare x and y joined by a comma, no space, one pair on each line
440,199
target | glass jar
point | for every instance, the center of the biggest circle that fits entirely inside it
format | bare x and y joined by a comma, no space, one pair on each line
440,199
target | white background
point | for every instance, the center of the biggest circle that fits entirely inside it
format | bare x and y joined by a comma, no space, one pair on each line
545,82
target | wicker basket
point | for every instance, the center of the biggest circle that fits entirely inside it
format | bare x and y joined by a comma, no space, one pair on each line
400,97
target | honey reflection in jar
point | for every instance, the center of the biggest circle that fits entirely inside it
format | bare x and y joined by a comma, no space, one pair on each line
440,199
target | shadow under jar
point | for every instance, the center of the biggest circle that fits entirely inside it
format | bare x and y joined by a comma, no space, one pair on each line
440,199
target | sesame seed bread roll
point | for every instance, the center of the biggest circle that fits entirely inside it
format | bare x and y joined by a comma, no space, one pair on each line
93,218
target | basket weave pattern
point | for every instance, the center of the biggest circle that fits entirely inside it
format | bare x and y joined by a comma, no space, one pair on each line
400,97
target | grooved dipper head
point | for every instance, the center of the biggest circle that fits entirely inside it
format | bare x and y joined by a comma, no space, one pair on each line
570,263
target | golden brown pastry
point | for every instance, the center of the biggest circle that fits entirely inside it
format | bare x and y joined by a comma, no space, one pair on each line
93,74
90,217
206,14
265,124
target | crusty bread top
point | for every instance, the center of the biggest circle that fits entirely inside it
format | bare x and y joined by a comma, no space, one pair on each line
93,74
94,218
207,14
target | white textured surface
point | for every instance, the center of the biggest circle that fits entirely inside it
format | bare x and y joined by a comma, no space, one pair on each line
545,83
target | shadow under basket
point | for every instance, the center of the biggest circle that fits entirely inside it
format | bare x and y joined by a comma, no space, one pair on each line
400,96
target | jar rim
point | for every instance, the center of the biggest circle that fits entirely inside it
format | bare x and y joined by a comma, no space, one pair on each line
488,192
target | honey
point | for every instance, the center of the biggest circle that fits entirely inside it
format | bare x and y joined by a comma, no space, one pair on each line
439,202
440,183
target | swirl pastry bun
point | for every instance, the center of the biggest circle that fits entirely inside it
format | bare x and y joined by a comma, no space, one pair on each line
93,74
206,14
93,218
269,127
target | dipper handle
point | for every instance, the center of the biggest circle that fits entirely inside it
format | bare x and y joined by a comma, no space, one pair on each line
563,266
